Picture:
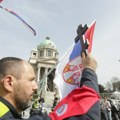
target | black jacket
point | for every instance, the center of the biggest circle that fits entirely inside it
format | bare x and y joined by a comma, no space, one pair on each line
89,78
8,112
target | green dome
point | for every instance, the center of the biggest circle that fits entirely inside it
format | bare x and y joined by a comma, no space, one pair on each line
47,43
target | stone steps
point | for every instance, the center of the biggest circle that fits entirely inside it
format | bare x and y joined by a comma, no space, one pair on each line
49,96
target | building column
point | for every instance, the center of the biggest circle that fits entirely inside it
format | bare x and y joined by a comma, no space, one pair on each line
45,83
38,75
46,71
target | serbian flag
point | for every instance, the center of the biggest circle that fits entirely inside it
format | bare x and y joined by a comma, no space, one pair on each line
75,100
69,70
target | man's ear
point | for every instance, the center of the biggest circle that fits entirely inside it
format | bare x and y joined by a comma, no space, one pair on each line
8,83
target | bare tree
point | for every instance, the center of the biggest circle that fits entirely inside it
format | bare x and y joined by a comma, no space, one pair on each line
101,88
116,83
109,86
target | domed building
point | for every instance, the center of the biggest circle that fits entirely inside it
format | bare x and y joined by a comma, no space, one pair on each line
44,59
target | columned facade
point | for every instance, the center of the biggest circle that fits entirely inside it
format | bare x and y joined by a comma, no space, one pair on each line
43,59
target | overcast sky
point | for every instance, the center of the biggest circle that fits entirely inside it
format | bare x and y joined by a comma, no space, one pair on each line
59,20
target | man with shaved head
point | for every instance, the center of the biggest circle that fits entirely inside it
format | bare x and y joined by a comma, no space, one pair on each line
17,86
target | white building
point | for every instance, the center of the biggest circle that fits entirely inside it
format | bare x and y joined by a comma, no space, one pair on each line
43,59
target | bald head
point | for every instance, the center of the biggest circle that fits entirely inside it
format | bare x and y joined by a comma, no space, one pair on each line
12,66
17,82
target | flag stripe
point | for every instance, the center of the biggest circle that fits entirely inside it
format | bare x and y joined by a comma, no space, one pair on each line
78,102
76,50
89,35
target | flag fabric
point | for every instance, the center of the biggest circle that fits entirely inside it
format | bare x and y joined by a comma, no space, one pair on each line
75,101
69,70
68,73
1,1
89,35
20,18
78,102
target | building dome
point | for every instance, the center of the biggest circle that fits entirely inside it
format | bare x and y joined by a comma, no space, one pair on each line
47,43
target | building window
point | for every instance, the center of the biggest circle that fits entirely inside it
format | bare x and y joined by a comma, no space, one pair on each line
55,54
49,53
34,54
41,53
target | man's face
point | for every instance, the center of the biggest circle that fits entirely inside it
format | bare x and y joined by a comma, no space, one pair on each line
24,89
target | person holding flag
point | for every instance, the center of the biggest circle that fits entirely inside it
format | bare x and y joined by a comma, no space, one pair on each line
82,103
17,85
77,81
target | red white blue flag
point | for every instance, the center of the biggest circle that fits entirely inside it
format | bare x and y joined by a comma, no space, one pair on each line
75,100
69,70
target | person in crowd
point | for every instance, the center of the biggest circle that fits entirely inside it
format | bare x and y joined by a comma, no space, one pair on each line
106,107
55,101
17,86
83,103
36,107
36,104
41,101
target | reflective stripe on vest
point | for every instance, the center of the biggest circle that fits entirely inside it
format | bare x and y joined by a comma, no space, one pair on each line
3,109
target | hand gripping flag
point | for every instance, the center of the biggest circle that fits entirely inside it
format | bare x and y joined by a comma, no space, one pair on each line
68,75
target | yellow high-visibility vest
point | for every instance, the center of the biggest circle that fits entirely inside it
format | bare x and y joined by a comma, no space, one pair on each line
3,109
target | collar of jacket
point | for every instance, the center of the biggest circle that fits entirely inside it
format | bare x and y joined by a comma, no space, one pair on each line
11,108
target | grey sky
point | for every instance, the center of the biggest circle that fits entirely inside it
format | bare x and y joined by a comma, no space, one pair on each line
59,20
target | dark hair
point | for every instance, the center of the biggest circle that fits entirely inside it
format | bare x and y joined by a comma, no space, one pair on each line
10,66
